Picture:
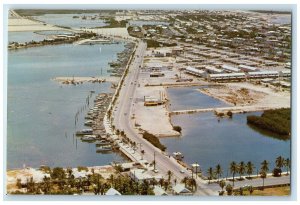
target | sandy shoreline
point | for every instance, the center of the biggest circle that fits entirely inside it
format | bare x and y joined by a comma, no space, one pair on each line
24,24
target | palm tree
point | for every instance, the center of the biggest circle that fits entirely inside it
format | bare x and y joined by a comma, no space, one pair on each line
219,171
170,174
184,180
287,164
233,170
263,175
222,184
265,166
161,182
111,180
210,173
250,168
279,163
241,169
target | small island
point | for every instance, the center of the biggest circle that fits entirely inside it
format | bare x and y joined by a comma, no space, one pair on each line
277,121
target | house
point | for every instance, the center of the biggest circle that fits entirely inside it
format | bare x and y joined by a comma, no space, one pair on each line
140,175
180,189
158,191
112,192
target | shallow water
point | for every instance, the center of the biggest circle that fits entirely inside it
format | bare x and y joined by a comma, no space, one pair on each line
182,98
24,36
67,20
41,112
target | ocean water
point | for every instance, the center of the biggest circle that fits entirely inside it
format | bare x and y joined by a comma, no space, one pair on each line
209,142
41,112
68,20
25,36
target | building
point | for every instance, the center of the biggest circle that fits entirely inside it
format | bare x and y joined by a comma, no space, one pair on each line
180,189
226,77
263,74
247,68
196,72
230,69
157,74
158,191
139,175
212,69
112,192
151,101
285,73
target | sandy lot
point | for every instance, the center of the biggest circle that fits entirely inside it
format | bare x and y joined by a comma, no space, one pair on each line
245,94
154,119
23,24
122,32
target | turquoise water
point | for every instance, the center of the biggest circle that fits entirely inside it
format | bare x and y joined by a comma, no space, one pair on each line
68,20
41,112
24,36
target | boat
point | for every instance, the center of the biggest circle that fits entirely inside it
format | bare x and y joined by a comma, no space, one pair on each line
85,132
89,138
102,143
104,148
89,123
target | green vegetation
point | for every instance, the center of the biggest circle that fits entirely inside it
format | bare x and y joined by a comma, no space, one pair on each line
154,140
63,182
277,121
152,44
112,23
177,128
80,168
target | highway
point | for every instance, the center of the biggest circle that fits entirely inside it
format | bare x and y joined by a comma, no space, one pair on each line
122,121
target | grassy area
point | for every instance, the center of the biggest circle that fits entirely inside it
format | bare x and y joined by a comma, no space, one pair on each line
277,121
154,140
276,191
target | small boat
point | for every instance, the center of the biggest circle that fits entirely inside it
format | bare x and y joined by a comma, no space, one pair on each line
89,138
102,143
85,132
105,148
89,123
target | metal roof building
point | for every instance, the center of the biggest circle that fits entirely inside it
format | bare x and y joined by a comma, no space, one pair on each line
195,71
226,76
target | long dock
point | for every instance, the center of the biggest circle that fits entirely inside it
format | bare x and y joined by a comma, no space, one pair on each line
236,109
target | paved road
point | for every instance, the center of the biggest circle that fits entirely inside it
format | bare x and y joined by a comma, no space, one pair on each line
123,122
254,182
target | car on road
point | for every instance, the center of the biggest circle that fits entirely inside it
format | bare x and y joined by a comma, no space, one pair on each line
155,170
182,171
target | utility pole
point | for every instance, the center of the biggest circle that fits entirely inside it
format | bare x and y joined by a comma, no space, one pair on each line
154,161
